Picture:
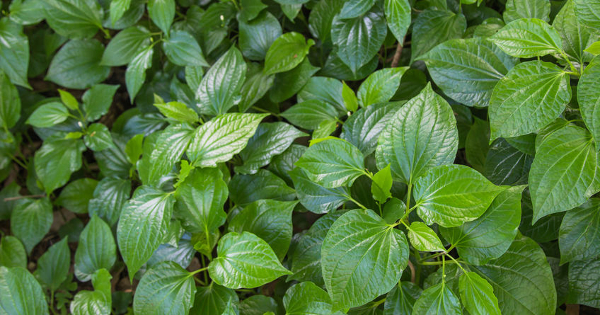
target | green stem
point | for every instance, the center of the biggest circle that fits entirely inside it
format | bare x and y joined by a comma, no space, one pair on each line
199,270
356,202
456,262
566,58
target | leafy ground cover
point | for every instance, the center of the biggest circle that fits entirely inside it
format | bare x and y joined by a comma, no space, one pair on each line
299,157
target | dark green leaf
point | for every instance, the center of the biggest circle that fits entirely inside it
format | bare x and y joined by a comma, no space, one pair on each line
56,160
162,13
182,49
286,52
579,235
77,194
433,27
123,48
97,100
246,189
109,197
309,114
10,103
136,71
98,137
306,298
519,9
438,299
14,53
74,18
401,299
588,97
256,36
212,299
96,249
583,282
53,266
77,64
31,220
397,13
12,253
315,197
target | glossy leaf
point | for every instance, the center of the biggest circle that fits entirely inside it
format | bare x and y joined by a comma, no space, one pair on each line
423,238
286,52
526,38
588,97
77,64
433,27
96,249
437,299
20,293
477,294
579,233
380,86
53,266
56,160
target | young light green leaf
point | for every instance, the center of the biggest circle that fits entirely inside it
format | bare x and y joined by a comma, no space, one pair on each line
20,292
397,13
200,200
53,266
451,195
269,140
438,299
380,86
528,98
362,257
315,197
270,220
74,18
306,298
382,184
562,174
12,252
423,238
220,87
526,38
77,64
143,226
97,302
97,100
575,35
350,100
183,50
123,48
594,48
588,96
520,9
98,137
165,289
136,71
522,279
48,115
221,138
467,70
433,27
286,52
170,146
309,114
490,236
332,163
178,111
162,13
427,116
477,295
64,155
68,99
96,249
579,234
244,261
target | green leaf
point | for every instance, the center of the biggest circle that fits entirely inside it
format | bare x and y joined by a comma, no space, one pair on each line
316,198
382,184
587,12
178,111
490,236
31,220
579,234
220,87
576,36
14,53
427,116
68,99
380,86
521,9
136,71
506,165
270,220
250,9
258,35
20,293
332,163
143,226
286,52
438,299
562,174
306,298
545,229
97,100
528,98
521,279
328,90
77,194
77,64
213,299
258,305
96,249
200,200
118,9
594,48
477,295
423,238
583,282
309,114
182,49
27,12
165,289
74,18
451,195
433,27
221,138
397,13
362,257
170,146
350,100
467,70
526,38
123,48
269,140
109,197
358,39
53,266
10,103
288,83
244,261
94,302
64,156
48,115
363,128
588,97
355,8
246,189
12,252
162,13
401,299
321,18
98,137
477,144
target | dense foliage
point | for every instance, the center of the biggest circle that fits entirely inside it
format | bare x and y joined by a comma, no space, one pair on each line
299,157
